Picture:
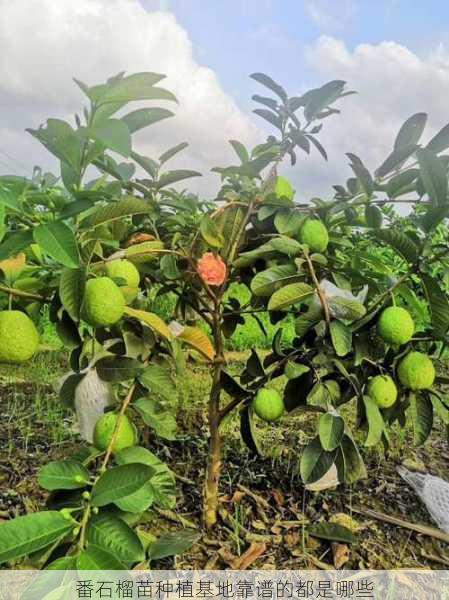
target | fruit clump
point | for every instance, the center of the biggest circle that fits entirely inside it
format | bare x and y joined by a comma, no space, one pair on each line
103,302
396,326
416,371
125,270
314,234
19,338
382,389
104,430
268,404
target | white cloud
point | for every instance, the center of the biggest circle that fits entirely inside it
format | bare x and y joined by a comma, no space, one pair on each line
44,43
392,84
330,15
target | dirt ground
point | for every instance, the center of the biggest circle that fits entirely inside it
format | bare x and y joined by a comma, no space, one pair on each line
264,508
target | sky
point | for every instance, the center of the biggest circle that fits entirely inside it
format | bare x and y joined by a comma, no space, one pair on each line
394,53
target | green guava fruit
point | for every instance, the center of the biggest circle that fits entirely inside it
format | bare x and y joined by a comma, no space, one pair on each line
104,303
314,234
382,389
268,404
283,188
416,371
104,429
395,325
124,269
19,338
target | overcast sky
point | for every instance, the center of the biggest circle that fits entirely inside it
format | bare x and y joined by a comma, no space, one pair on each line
395,53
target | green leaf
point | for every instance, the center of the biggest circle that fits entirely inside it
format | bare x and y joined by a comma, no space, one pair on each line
120,482
58,241
400,183
143,117
169,266
97,559
171,152
240,150
349,463
118,368
330,430
271,84
71,291
293,293
15,242
332,532
173,544
400,242
439,305
315,461
116,537
247,430
162,421
113,134
152,320
162,484
24,535
63,475
373,216
294,370
265,283
433,175
320,98
376,423
433,217
411,130
341,336
269,116
210,232
115,211
61,140
395,160
68,389
345,308
440,141
421,412
171,177
138,86
158,380
287,221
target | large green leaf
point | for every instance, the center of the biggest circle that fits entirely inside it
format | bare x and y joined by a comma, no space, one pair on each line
115,211
63,475
347,309
15,242
114,135
171,177
330,430
433,175
293,293
24,535
341,336
349,463
158,379
247,430
62,141
143,117
320,98
270,84
376,424
265,283
433,217
173,544
439,305
98,559
401,183
411,130
121,90
162,421
118,368
400,242
58,241
315,461
395,160
211,233
332,532
440,140
171,152
71,291
116,537
421,412
120,482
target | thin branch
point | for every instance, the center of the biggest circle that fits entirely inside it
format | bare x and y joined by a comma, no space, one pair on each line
21,293
319,291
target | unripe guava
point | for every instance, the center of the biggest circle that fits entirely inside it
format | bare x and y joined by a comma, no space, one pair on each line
382,389
104,429
19,338
268,404
103,302
124,269
416,371
283,188
314,234
395,325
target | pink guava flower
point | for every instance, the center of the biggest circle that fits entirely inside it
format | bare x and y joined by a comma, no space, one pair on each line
211,269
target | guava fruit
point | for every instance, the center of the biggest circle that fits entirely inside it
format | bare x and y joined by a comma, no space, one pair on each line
396,325
382,389
104,303
124,269
283,188
416,371
104,429
19,338
314,233
268,404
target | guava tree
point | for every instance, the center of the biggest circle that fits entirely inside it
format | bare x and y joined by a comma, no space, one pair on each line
88,249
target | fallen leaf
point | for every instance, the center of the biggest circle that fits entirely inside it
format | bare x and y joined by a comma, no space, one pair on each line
250,556
340,554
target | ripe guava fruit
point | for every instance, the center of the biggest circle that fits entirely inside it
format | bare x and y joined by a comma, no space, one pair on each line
104,429
416,371
19,338
104,303
314,233
283,188
268,404
396,326
382,389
